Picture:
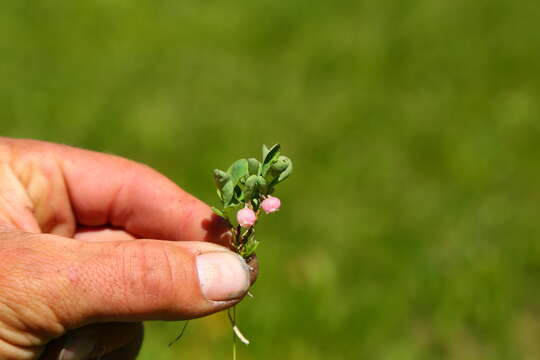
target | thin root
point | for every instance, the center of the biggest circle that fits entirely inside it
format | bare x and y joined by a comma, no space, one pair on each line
236,330
240,335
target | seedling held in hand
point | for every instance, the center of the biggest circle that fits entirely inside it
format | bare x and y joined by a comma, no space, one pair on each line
245,189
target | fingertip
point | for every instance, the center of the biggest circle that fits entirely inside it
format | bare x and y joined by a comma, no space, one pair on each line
223,275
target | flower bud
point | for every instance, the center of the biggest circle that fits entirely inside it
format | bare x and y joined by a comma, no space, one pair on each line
281,164
246,217
271,204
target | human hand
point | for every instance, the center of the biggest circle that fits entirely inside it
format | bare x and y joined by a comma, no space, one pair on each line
91,244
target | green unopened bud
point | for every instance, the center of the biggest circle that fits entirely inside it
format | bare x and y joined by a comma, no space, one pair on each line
278,167
251,187
287,172
253,166
220,178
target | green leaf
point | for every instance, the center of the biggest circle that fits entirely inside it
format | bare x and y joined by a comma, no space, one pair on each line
272,153
270,157
227,193
265,151
238,170
220,178
254,166
250,248
218,211
251,187
238,194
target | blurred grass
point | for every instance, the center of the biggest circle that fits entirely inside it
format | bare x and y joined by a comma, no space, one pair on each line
410,228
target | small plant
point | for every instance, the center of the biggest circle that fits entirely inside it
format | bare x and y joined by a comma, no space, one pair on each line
245,191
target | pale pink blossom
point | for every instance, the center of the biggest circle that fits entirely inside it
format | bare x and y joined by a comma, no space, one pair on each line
271,204
246,217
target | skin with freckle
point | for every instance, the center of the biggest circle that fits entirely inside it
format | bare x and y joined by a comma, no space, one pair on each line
92,244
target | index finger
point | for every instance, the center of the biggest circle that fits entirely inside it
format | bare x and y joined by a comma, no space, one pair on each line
109,190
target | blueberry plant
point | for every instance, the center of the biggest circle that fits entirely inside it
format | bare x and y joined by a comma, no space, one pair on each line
245,191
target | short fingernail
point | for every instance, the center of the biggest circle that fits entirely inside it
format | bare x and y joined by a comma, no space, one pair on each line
222,275
77,348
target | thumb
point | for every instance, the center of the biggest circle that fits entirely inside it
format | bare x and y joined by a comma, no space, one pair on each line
56,284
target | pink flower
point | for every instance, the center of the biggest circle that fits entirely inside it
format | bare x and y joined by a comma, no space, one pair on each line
271,204
246,217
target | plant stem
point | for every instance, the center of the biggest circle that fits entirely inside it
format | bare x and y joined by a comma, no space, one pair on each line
233,322
181,333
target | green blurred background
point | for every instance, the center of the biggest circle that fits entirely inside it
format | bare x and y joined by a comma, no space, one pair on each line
410,227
